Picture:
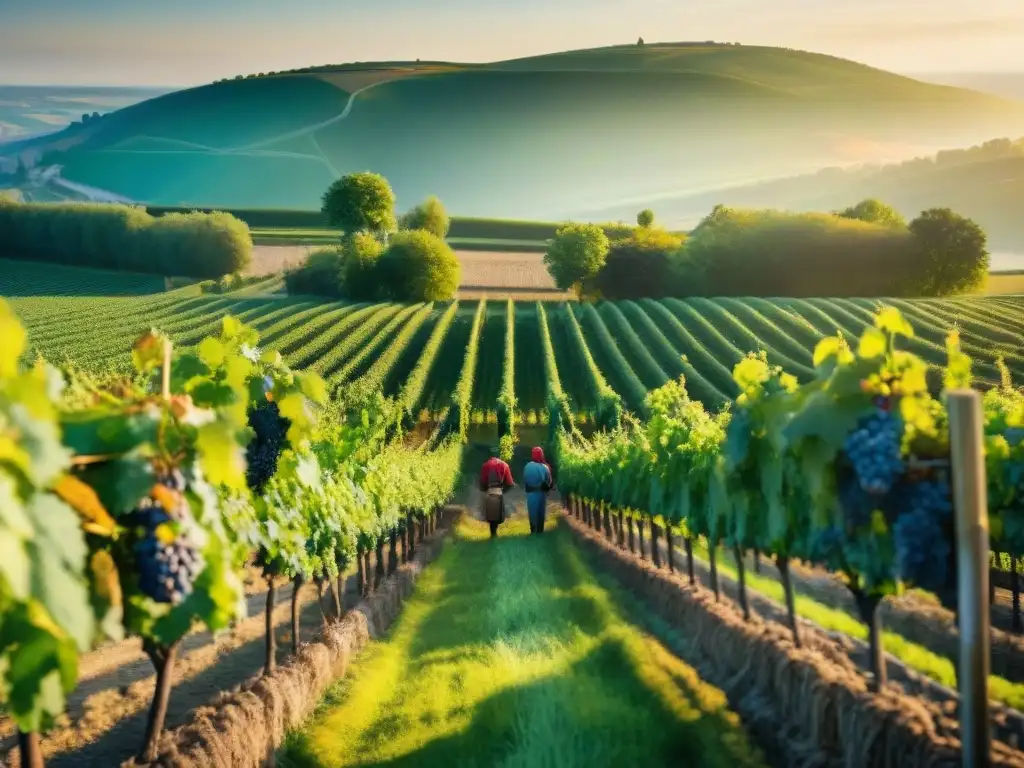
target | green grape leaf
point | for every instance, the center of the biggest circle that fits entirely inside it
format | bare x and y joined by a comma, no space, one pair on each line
186,370
13,340
39,441
223,458
312,386
211,351
40,669
104,431
122,483
213,394
148,351
58,555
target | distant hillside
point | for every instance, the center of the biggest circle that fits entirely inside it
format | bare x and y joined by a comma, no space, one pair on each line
985,182
28,110
542,137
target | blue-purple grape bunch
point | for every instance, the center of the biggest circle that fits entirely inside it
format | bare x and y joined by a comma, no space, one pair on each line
266,447
920,534
167,569
874,450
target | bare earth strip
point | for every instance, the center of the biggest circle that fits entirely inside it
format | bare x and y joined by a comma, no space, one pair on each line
492,273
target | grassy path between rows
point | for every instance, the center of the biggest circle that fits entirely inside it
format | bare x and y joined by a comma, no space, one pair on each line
512,653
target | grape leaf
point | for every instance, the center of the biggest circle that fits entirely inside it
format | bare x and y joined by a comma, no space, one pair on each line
58,555
13,339
83,499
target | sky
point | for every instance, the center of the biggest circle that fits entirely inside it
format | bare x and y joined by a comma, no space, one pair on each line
186,42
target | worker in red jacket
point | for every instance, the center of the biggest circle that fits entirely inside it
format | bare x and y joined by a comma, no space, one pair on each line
495,479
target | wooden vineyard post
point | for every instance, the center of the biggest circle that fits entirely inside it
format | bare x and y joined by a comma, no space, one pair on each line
640,536
669,545
410,531
622,532
971,504
30,749
632,539
607,514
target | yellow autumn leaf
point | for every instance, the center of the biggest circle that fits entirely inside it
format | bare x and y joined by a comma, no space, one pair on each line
104,577
12,341
211,352
827,348
891,320
872,344
168,498
83,499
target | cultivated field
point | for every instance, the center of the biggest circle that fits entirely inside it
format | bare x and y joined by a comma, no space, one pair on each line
550,619
635,346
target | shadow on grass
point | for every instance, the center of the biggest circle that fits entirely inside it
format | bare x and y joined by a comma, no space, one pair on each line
522,659
595,713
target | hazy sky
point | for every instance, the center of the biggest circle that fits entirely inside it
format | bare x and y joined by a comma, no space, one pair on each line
181,42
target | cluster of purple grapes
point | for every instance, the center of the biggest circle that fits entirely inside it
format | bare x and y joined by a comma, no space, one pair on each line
874,450
167,570
921,534
265,448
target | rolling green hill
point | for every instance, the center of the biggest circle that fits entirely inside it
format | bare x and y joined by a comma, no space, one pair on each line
542,137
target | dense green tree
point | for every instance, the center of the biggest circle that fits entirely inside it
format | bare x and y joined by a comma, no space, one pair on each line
576,254
361,255
639,265
319,275
429,215
645,218
418,266
874,212
953,253
738,252
360,202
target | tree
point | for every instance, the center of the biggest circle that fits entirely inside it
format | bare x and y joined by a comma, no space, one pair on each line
640,41
360,202
319,275
418,266
576,254
639,265
429,215
360,260
645,218
874,212
952,251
